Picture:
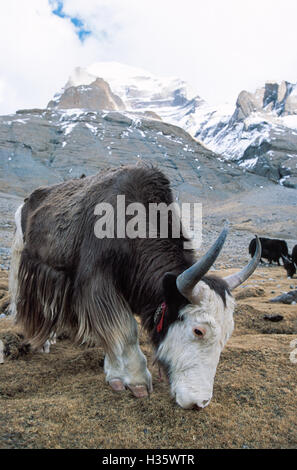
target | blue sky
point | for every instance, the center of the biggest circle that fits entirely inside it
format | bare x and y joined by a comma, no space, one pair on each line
219,47
81,30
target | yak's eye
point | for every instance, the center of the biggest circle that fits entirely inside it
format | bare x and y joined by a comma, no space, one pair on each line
199,332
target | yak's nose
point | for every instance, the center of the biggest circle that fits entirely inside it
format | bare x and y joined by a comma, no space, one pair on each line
190,402
201,404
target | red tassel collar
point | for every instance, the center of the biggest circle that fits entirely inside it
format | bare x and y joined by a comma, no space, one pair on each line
160,310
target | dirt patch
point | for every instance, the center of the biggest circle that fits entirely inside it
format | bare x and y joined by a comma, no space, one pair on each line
61,400
249,292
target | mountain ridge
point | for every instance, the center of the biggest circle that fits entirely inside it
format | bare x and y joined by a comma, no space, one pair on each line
258,134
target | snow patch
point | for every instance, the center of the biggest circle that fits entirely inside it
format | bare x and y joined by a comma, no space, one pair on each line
92,128
68,127
281,181
66,114
22,121
250,163
290,121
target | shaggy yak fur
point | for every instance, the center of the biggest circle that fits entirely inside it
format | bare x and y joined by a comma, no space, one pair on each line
71,280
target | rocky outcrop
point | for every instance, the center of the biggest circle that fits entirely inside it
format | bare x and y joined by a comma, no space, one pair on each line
291,103
260,135
95,96
247,103
274,97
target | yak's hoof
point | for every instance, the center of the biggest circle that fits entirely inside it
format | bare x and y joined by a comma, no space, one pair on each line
117,385
46,348
139,391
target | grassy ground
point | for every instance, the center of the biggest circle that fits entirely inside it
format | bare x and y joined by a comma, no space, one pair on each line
61,400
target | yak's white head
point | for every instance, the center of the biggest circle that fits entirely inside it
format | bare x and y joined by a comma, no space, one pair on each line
200,321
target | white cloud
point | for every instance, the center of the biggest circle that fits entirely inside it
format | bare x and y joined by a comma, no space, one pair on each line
219,46
38,50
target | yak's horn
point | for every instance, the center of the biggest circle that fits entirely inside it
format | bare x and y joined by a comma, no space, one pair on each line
187,280
234,280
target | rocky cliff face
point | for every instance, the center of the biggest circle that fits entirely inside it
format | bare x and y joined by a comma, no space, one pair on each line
277,98
260,135
96,95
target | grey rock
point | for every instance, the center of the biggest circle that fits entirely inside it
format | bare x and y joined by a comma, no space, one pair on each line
287,298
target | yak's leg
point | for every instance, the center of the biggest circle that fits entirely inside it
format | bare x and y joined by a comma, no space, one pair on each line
47,345
104,314
114,371
126,367
1,352
16,251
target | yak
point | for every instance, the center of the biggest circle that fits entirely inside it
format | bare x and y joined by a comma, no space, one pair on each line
272,249
63,277
290,262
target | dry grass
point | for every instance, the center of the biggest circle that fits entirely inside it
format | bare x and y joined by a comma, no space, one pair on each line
61,400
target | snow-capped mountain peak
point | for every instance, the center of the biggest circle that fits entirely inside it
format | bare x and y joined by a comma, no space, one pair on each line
259,133
168,97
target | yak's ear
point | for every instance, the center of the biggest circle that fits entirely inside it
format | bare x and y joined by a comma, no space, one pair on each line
173,298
